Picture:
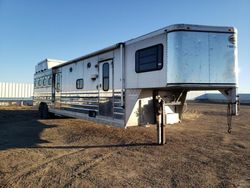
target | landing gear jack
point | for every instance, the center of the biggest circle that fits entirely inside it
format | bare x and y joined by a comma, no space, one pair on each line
161,136
232,107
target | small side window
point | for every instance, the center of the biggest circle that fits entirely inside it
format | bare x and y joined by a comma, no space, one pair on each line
39,82
44,81
50,81
105,77
149,59
79,84
58,81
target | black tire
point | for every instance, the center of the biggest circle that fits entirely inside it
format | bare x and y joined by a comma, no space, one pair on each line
43,111
40,110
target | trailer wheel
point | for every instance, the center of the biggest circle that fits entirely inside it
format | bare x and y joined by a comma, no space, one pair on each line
43,111
40,110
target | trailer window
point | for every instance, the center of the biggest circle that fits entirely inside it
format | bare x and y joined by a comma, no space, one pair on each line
79,84
149,59
105,76
39,82
50,81
58,81
44,81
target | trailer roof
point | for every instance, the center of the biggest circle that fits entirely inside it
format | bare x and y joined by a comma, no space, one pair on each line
51,60
185,27
167,29
90,55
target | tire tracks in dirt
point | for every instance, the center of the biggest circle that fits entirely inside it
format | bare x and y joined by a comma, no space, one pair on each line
81,170
10,181
79,173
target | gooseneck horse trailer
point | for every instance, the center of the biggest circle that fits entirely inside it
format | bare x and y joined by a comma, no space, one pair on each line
144,80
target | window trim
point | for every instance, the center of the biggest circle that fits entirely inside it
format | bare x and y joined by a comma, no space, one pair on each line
159,54
78,80
105,77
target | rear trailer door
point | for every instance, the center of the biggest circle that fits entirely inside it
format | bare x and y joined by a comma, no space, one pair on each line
195,57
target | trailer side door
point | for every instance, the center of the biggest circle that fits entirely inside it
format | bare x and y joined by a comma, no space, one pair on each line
106,88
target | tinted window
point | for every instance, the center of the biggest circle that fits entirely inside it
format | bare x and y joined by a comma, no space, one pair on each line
39,82
79,84
50,81
44,81
105,76
149,59
58,84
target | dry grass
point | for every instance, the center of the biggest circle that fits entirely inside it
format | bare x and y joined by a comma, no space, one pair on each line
68,152
191,114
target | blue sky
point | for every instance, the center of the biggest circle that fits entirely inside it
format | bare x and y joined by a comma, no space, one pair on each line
32,30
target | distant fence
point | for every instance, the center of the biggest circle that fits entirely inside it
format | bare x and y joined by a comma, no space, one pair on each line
15,93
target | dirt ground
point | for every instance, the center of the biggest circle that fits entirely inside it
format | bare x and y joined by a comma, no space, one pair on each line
67,152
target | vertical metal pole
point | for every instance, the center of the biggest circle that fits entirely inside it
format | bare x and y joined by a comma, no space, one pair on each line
234,102
122,72
157,115
158,128
113,88
163,136
155,93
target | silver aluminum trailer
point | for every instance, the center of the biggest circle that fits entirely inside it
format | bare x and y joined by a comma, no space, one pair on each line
144,80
